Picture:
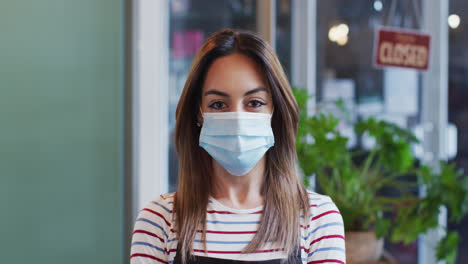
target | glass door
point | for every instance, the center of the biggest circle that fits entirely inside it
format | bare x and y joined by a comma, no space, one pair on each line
345,70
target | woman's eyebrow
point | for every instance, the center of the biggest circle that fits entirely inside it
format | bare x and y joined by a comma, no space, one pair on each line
216,92
256,90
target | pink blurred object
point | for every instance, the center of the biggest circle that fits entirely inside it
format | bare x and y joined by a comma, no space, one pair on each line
178,45
197,40
186,43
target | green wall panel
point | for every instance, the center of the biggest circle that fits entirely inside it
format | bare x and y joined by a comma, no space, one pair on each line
61,131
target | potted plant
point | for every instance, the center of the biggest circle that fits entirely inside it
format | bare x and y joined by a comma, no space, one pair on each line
363,183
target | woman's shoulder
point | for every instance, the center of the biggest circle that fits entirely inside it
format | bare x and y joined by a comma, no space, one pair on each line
323,237
153,231
159,210
314,197
323,210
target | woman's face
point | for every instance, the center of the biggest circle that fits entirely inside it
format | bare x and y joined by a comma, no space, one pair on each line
235,83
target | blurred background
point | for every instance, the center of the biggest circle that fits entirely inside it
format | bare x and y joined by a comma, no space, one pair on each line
89,90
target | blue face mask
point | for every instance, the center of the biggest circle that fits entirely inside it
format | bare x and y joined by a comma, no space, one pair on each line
237,140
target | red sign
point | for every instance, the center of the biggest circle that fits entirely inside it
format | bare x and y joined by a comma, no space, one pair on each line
400,48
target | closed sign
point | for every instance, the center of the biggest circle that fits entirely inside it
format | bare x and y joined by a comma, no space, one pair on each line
399,48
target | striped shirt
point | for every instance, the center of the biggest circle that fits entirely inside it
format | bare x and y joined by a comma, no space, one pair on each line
230,230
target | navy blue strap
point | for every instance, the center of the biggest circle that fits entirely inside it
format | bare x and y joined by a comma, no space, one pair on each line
296,259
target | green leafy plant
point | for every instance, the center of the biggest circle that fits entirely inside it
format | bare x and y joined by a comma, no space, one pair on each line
359,180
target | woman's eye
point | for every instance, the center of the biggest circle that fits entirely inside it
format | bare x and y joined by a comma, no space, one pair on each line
217,105
256,103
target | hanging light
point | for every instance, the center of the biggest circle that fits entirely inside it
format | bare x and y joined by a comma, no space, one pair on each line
453,21
339,34
378,5
342,41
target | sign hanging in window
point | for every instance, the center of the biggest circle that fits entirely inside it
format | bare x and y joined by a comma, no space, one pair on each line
396,47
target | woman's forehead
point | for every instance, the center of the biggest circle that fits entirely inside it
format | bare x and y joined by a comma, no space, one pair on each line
235,73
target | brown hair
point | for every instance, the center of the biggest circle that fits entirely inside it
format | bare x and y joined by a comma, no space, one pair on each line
284,195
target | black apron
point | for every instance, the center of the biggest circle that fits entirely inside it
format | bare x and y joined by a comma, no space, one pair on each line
295,259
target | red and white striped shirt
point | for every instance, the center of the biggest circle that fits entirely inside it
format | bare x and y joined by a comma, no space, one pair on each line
230,230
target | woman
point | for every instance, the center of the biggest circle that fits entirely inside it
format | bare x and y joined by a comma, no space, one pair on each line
239,198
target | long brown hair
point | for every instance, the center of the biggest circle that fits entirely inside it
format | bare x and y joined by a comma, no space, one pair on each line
284,195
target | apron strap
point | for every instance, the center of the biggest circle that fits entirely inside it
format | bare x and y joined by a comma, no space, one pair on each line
295,259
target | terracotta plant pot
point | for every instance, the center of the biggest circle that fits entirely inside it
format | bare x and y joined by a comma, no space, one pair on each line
363,247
